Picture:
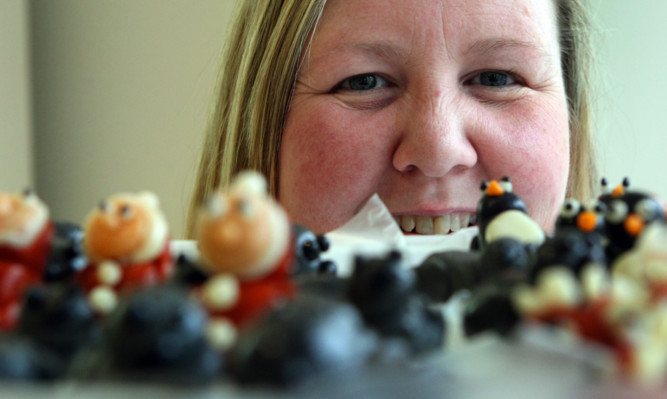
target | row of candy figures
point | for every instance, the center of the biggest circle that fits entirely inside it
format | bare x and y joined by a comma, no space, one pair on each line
601,275
125,305
255,282
117,304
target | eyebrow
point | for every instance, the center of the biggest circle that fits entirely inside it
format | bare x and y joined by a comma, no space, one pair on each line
386,49
379,48
489,45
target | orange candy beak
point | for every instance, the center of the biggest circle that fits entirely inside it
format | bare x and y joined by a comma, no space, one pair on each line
587,221
494,189
634,225
618,191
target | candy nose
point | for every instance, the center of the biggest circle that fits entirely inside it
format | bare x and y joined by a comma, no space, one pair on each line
586,221
230,233
634,224
494,189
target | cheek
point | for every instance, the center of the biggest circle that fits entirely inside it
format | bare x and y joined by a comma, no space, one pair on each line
536,157
330,163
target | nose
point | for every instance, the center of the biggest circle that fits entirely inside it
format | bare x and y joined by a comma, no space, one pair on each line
434,137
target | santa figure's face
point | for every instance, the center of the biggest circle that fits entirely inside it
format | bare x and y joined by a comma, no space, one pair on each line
22,218
126,228
242,231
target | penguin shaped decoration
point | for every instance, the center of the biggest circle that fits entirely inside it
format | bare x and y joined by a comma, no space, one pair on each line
502,214
628,213
586,217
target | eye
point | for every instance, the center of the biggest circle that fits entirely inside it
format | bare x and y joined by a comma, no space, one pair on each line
215,206
604,185
493,79
363,82
506,184
571,208
596,206
616,212
125,211
647,209
245,208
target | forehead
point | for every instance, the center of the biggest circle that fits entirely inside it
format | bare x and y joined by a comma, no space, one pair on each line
455,25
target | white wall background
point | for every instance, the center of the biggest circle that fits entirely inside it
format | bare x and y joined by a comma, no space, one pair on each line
121,90
633,104
15,123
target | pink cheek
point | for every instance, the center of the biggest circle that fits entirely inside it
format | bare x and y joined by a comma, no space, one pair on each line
323,175
535,157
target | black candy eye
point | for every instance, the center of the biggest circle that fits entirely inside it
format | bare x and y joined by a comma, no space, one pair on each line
570,208
125,211
596,206
506,184
604,185
245,208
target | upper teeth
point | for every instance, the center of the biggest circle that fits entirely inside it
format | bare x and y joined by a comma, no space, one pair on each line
435,224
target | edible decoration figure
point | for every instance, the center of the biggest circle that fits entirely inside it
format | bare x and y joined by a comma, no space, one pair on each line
628,213
127,242
587,217
502,214
246,248
26,231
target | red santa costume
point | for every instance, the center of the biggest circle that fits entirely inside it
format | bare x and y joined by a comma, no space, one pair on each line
26,233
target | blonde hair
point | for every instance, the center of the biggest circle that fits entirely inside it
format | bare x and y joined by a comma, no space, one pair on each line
260,64
577,64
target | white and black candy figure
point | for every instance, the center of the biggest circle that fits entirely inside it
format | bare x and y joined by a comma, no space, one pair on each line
502,214
587,217
308,249
628,213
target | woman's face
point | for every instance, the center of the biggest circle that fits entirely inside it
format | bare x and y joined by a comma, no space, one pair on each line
421,101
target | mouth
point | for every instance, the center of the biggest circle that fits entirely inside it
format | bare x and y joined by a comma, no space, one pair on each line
440,225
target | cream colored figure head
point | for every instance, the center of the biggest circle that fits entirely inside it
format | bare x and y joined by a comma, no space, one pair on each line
126,228
241,230
22,218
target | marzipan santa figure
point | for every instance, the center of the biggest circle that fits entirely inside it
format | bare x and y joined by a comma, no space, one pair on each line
127,242
245,244
26,232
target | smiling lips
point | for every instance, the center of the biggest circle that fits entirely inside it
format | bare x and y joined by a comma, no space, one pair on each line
442,224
